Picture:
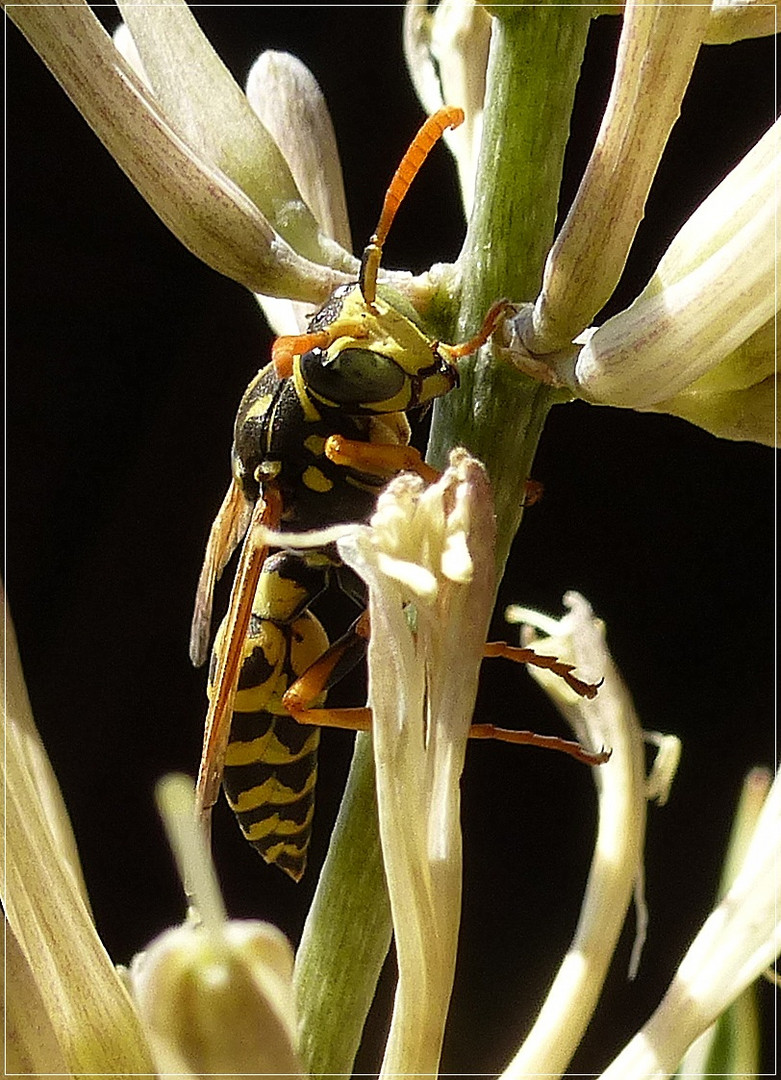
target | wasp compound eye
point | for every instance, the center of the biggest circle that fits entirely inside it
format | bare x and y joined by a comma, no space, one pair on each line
353,377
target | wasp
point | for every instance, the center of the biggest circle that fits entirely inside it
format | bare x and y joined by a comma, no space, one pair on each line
319,432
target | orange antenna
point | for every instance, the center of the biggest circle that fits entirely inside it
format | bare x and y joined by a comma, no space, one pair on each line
430,134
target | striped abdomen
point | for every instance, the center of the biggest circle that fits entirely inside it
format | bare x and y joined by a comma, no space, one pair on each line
271,760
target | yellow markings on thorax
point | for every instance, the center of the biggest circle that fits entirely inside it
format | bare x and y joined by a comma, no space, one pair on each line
315,444
316,480
259,407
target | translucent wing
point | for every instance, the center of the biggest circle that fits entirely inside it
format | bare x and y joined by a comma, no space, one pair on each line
228,527
218,718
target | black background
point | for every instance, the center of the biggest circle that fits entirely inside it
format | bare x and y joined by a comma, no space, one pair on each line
126,359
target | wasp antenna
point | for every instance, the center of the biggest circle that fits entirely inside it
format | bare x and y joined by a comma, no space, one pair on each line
430,133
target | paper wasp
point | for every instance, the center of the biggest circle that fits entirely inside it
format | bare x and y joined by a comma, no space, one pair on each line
318,434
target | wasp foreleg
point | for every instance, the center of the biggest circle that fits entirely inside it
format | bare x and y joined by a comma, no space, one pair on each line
378,458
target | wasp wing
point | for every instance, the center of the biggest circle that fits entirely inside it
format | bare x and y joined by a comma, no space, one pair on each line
218,718
227,529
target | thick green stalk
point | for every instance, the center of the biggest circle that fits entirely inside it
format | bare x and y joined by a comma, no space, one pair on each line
347,932
535,60
533,67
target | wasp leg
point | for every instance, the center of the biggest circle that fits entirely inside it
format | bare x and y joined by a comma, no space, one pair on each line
357,719
531,738
552,663
378,457
345,653
546,742
533,491
326,671
361,720
495,314
286,348
335,662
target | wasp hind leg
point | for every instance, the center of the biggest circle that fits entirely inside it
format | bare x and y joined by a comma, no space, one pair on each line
531,738
324,673
345,653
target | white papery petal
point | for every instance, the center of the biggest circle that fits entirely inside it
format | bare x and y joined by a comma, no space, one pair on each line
607,720
712,291
203,207
422,687
285,96
659,44
740,939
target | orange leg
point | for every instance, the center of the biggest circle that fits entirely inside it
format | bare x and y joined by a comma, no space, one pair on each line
324,672
495,314
532,492
361,720
335,662
378,457
546,742
552,663
285,349
320,675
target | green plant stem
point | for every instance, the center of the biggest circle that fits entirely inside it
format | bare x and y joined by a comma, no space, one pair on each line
498,414
347,932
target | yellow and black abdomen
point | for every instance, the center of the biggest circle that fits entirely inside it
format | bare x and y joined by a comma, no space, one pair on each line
271,760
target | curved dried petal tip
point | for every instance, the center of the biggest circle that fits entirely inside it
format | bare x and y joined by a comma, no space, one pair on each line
665,766
216,997
738,941
699,342
447,54
659,44
609,719
288,101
